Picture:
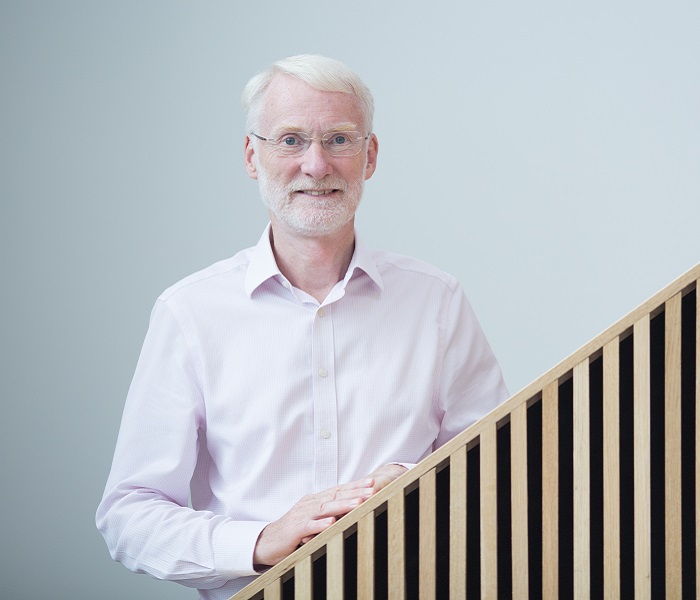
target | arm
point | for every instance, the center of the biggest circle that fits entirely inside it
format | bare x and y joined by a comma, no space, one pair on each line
144,514
471,383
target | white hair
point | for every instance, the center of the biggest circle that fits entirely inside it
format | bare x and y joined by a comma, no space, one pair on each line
323,73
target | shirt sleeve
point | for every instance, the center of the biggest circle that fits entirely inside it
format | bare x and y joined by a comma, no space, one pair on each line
471,382
144,514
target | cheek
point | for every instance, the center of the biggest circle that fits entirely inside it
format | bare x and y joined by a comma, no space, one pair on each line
354,171
283,169
281,174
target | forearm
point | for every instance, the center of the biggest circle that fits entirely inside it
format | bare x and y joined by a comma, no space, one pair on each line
148,533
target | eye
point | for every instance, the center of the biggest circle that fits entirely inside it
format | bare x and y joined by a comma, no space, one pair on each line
339,139
290,140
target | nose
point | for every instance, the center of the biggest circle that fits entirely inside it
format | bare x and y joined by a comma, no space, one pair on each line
315,162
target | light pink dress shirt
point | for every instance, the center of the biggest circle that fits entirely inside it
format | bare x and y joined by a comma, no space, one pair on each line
249,394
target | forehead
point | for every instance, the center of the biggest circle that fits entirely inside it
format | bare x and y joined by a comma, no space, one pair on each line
291,102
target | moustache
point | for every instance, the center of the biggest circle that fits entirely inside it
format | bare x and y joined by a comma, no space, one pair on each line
325,184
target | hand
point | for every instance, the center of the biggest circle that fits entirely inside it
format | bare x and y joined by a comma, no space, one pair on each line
383,476
307,518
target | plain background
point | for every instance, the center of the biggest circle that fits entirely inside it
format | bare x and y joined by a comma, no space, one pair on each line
546,153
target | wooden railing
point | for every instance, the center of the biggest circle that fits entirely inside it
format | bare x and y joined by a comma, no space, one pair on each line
586,484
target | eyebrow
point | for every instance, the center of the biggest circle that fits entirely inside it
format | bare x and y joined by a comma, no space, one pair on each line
344,127
347,126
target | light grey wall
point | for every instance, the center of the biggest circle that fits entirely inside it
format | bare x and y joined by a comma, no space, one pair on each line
544,152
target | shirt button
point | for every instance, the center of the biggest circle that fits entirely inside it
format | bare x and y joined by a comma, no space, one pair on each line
322,372
320,312
325,434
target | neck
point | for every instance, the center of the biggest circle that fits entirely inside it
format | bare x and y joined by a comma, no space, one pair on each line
313,264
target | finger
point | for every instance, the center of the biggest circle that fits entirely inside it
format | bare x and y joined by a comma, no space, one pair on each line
357,484
339,508
344,491
314,527
348,493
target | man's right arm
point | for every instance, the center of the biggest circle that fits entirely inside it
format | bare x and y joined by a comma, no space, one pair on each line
144,514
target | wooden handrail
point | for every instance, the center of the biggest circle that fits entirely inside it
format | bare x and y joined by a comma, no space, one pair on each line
585,483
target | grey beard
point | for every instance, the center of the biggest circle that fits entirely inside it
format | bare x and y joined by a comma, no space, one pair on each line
311,217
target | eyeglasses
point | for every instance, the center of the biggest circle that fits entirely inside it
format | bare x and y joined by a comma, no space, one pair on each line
336,143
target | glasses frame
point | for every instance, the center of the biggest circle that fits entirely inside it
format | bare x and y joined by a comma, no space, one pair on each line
277,142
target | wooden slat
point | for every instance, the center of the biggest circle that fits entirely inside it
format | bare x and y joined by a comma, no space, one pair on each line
334,568
458,523
489,512
642,459
365,557
697,438
396,544
273,591
519,510
582,482
426,536
674,581
303,582
550,491
611,469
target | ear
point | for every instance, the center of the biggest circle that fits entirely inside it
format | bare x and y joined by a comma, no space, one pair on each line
250,158
372,150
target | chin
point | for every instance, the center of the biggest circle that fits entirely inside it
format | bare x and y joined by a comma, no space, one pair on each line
316,221
315,227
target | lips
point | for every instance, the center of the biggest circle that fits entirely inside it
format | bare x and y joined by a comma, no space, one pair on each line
319,189
317,192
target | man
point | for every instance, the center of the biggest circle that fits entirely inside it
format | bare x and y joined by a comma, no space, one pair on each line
279,389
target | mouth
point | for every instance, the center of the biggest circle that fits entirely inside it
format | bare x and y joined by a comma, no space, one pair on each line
318,192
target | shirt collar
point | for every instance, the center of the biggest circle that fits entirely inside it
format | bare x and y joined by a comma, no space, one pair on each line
263,266
362,259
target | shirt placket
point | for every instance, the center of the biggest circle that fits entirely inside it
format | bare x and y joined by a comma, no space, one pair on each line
325,401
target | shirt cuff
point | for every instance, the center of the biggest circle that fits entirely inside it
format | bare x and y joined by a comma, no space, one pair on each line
234,543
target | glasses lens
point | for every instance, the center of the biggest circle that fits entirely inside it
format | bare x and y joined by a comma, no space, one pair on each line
343,143
292,144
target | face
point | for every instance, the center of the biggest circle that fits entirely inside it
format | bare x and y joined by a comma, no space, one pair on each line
314,194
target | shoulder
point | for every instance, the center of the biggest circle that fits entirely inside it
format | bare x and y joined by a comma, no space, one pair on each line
228,273
393,265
